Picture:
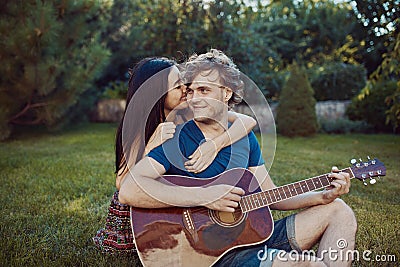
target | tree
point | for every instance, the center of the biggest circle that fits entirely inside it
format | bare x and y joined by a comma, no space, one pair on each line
296,111
389,71
379,102
50,56
316,33
378,25
262,39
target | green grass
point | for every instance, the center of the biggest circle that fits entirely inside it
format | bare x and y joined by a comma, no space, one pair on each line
377,207
55,190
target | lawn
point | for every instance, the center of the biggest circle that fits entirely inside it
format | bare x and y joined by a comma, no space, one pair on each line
56,189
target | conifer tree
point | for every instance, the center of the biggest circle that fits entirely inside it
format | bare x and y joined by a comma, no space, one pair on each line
296,111
50,56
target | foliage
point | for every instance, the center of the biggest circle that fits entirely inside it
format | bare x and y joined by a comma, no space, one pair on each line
65,42
49,59
378,25
116,90
262,40
296,110
337,81
379,102
370,106
343,126
389,71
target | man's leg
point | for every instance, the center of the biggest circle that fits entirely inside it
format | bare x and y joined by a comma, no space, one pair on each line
329,224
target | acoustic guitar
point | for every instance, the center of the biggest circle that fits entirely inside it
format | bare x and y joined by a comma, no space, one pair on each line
197,236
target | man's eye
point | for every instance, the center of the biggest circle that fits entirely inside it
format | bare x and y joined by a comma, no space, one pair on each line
189,91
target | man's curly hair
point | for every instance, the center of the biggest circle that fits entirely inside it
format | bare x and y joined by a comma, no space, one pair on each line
228,72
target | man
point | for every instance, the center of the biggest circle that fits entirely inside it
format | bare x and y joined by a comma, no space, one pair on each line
214,86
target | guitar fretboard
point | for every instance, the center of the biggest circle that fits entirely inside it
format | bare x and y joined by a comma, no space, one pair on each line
266,198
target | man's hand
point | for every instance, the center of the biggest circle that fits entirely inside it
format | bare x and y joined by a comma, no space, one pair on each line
222,197
339,186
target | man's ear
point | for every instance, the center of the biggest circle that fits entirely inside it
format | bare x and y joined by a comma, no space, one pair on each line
228,94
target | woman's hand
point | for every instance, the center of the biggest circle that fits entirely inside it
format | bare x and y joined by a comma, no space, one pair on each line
202,157
163,132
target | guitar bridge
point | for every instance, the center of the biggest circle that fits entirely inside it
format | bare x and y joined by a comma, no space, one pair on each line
189,224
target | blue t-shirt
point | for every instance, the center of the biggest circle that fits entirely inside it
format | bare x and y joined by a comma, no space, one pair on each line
173,153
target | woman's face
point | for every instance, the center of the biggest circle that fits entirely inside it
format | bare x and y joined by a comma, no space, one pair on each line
176,96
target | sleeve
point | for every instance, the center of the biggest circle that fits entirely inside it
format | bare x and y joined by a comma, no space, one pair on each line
255,157
158,154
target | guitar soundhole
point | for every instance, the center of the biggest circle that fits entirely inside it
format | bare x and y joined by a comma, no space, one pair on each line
227,219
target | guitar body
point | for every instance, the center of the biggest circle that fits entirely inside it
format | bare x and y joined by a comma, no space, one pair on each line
198,236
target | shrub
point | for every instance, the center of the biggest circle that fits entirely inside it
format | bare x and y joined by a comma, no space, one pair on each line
370,105
337,81
343,125
116,90
296,111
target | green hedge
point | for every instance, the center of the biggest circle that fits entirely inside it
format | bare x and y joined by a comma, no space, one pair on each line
337,81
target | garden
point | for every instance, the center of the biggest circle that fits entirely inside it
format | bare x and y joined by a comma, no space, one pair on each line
62,60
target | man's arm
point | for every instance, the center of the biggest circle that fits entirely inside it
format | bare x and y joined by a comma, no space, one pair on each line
340,186
141,189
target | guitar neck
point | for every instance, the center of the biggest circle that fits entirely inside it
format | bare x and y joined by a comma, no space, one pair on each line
271,196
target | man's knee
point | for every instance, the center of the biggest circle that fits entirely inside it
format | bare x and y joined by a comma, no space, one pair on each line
340,211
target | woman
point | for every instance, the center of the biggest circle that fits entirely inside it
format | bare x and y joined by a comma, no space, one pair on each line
168,90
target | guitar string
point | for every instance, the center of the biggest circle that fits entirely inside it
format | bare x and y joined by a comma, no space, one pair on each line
297,187
286,191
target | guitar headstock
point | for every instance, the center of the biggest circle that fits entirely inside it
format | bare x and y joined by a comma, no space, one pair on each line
370,169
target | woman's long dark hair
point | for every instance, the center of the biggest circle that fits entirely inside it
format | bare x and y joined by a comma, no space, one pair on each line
141,77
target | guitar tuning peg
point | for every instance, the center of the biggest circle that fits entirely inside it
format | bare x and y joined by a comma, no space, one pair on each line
360,159
368,158
365,183
372,181
353,161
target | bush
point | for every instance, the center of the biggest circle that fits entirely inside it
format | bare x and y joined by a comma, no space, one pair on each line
116,90
337,81
343,125
370,105
296,111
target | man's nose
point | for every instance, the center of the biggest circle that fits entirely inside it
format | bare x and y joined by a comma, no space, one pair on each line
195,96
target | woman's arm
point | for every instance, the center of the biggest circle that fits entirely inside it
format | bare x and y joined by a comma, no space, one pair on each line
163,132
206,152
241,126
